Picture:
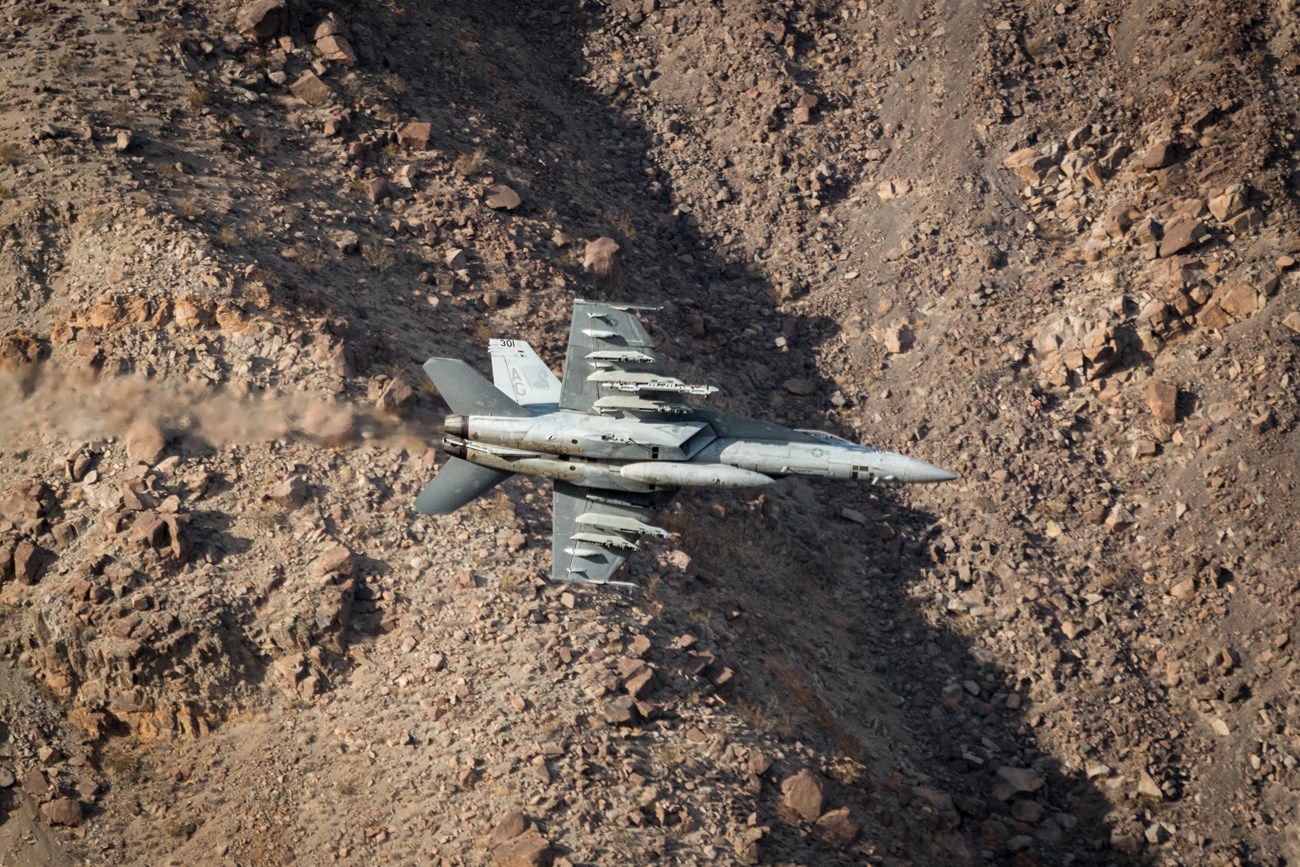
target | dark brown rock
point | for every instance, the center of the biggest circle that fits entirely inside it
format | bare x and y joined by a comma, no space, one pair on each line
29,562
1162,399
375,189
803,109
1158,155
801,387
263,19
838,828
311,90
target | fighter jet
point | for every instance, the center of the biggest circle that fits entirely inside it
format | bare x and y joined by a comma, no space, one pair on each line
618,439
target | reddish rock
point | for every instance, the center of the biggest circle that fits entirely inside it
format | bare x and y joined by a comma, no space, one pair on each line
29,562
263,19
529,849
1213,317
1028,165
1182,235
803,794
336,560
804,107
62,811
600,259
1162,399
1158,155
1238,299
502,198
35,784
335,47
414,134
508,828
639,646
620,711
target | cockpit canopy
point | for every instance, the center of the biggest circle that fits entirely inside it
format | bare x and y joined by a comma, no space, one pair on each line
829,438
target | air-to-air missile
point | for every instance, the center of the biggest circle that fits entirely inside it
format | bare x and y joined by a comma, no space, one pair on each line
618,439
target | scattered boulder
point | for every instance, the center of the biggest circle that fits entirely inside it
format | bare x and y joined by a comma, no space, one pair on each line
1028,165
144,442
29,562
331,42
1159,155
803,109
311,90
375,189
529,849
601,260
414,134
838,828
801,387
346,241
897,337
1162,400
621,711
456,259
1229,203
1182,235
62,811
502,198
508,829
1012,781
803,794
263,19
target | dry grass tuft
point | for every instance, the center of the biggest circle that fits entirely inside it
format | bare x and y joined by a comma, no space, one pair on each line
312,259
189,207
468,164
378,256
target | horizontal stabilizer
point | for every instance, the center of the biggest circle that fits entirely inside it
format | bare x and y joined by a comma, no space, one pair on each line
467,392
457,483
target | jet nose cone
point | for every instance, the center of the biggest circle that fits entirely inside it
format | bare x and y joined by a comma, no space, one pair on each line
923,472
911,471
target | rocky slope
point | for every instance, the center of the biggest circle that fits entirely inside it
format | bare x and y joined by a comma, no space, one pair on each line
1050,246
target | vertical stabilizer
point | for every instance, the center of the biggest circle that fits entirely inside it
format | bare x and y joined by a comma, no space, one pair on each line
520,373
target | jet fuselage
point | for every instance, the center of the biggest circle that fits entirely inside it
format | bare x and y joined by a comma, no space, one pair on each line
631,454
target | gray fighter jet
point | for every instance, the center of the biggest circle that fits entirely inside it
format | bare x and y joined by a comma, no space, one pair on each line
618,440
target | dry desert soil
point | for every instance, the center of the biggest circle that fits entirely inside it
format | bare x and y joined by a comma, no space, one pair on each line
1051,246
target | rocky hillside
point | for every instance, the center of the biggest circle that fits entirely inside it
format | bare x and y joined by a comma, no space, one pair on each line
1050,246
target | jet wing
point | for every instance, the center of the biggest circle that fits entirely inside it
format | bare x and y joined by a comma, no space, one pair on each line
602,337
594,531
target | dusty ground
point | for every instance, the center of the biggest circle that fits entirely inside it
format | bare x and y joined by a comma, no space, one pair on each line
1051,247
